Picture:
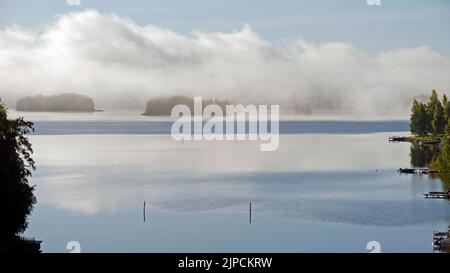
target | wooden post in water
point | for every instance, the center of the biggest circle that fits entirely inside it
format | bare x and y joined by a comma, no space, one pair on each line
144,211
250,216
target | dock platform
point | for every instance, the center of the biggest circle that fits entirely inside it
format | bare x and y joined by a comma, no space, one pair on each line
409,139
441,240
417,171
437,195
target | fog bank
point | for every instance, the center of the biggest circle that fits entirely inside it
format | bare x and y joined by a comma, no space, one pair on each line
121,65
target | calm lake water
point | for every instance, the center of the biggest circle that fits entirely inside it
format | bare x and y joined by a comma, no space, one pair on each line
330,187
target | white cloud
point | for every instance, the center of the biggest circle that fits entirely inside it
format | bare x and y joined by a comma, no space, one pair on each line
120,63
73,2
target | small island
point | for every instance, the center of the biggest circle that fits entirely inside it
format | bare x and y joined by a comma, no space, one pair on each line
65,102
162,106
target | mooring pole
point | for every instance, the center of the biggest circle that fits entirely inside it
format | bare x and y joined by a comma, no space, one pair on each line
144,211
250,210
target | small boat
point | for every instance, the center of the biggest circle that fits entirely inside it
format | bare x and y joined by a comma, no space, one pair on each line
398,139
401,170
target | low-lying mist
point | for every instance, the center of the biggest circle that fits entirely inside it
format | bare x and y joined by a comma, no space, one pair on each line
121,65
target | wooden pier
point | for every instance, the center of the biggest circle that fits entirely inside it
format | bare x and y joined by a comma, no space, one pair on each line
417,171
20,245
401,170
437,195
413,140
441,240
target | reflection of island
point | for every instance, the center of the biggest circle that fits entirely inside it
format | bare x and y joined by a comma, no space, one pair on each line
66,102
162,106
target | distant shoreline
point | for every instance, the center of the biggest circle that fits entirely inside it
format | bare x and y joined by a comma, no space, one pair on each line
59,111
144,127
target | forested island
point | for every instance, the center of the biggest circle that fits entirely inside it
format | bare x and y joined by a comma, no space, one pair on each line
162,106
65,102
430,123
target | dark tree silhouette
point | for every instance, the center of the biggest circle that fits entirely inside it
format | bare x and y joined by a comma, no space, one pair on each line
16,195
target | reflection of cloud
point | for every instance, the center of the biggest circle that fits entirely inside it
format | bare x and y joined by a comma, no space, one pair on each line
327,178
120,63
106,190
159,153
353,197
373,2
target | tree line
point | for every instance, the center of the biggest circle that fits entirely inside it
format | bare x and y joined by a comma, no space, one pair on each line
432,119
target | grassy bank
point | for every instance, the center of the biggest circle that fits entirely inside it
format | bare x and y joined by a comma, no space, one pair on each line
418,139
437,138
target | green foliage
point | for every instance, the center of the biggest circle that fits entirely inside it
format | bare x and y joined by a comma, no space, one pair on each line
444,151
438,123
16,195
419,119
446,105
430,118
433,99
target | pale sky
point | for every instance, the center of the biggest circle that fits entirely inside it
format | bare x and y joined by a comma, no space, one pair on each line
394,24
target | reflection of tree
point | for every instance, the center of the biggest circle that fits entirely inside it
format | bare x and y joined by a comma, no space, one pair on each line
423,155
16,195
445,177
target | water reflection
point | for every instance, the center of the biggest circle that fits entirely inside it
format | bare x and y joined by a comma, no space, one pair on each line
423,155
331,178
345,186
